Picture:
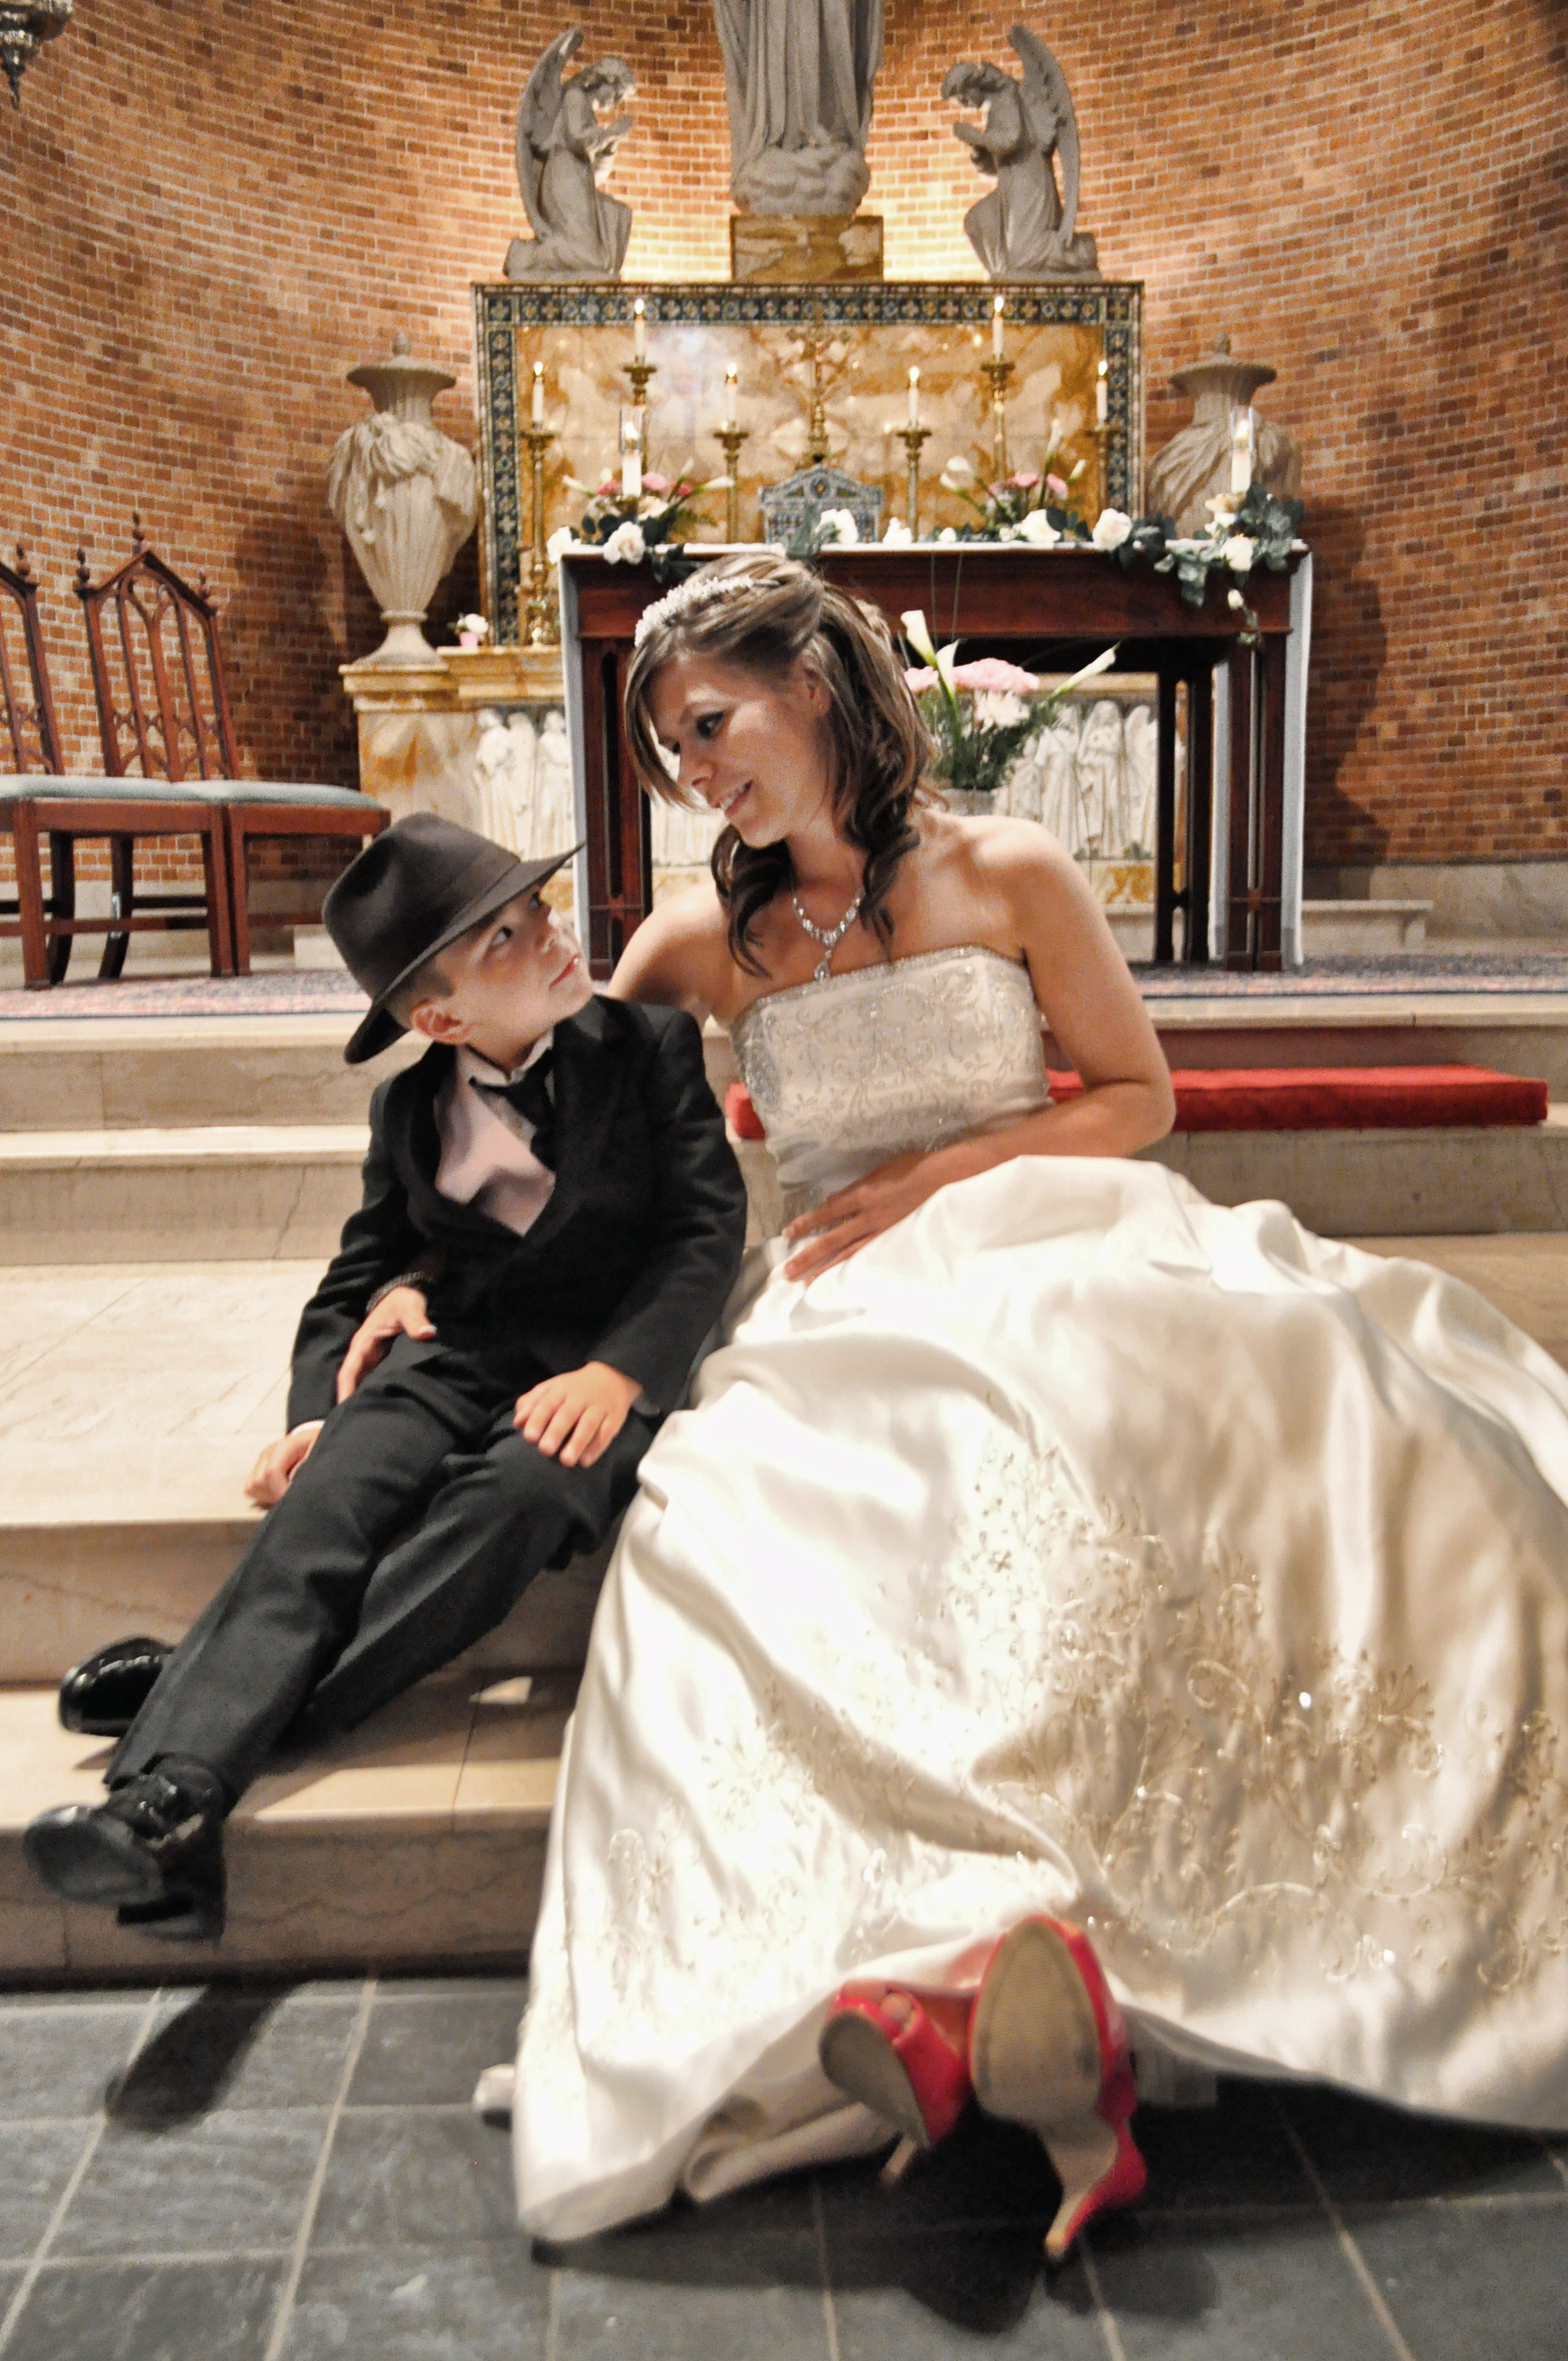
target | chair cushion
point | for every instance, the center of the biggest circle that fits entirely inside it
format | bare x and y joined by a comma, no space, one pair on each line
81,787
1306,1098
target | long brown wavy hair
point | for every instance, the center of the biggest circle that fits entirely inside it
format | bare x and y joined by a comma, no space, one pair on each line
761,614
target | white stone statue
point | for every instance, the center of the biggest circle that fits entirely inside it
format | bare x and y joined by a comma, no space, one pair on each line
405,494
1140,781
799,76
566,152
1195,465
1026,229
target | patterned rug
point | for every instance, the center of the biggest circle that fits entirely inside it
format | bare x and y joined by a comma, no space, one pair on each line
327,992
1373,974
307,992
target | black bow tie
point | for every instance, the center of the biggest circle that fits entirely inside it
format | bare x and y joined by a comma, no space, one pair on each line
530,1095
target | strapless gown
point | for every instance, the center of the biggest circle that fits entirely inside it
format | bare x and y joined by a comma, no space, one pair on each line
1078,1546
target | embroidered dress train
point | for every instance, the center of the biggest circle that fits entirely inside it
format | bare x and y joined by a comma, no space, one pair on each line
1080,1547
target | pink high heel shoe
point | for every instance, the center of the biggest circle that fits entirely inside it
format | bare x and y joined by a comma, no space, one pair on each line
1048,2048
903,2067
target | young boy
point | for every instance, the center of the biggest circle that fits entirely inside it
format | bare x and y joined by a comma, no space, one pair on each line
552,1221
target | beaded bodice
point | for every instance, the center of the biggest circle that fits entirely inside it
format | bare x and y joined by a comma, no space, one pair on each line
870,1064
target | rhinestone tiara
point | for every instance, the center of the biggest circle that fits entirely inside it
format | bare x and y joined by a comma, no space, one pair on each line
697,590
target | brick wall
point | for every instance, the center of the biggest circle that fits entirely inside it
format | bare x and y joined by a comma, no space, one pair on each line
211,212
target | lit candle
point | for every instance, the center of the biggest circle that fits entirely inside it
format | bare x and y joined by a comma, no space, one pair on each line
915,397
732,382
630,459
539,394
1241,450
1102,397
639,331
996,310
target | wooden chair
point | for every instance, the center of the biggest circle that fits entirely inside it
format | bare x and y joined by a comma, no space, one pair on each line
39,800
161,638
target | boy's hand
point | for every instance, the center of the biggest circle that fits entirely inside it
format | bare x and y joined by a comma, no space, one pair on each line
275,1470
578,1414
401,1313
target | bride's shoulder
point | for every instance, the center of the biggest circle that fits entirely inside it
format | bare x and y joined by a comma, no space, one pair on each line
1000,852
679,954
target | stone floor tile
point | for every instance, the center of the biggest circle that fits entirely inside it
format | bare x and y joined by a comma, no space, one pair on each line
77,1996
137,2311
36,2161
410,2179
489,2302
1464,2281
225,2048
1234,2152
723,2319
428,2051
58,2062
1211,2290
954,2292
985,2171
514,1979
1371,2154
231,2183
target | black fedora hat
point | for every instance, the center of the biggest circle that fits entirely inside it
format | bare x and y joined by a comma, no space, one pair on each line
414,889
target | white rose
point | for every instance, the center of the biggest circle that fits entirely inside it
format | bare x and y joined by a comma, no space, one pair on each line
958,475
842,525
947,534
1238,553
1110,528
1233,599
898,535
626,545
1038,529
560,541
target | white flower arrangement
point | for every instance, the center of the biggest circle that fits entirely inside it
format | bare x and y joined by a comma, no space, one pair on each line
898,535
1037,529
1110,528
563,539
472,630
1237,552
839,526
626,545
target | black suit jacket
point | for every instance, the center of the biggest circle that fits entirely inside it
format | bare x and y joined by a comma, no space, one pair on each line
632,1260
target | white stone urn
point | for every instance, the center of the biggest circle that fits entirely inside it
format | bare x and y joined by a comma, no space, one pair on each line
405,494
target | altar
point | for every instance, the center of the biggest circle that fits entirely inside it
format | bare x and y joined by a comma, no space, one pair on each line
1228,839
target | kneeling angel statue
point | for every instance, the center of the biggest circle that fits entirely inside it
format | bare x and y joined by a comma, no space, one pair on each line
565,150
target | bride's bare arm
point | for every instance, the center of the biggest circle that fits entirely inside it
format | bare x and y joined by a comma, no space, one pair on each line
678,958
1038,901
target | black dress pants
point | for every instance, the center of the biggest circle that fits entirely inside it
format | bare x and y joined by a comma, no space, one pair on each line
337,1606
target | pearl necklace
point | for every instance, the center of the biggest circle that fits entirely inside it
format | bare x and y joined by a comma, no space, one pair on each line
828,937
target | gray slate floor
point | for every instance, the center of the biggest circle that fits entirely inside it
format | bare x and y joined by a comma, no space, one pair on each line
295,2175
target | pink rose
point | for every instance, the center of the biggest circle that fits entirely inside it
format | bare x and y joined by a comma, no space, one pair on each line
1055,484
993,677
653,483
1022,483
918,679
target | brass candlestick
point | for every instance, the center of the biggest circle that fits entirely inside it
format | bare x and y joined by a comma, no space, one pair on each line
1107,432
640,372
912,438
541,624
816,428
999,372
731,437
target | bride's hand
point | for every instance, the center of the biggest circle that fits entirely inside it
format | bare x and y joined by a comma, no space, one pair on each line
848,1219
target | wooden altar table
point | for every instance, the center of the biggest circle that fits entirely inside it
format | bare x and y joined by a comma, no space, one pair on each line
1052,610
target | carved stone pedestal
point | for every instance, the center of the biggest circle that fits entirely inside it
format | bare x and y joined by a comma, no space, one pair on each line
803,250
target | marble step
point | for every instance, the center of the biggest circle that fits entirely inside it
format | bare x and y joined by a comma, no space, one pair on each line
133,1402
418,1840
252,1190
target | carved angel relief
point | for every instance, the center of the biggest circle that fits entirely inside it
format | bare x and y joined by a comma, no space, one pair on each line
1026,229
566,152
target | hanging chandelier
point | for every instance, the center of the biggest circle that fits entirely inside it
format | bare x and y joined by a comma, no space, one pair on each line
23,26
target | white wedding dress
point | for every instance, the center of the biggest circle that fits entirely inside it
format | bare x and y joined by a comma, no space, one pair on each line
1078,1546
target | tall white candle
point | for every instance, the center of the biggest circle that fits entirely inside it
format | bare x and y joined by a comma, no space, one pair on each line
996,310
915,397
539,394
1102,397
1241,450
639,331
731,384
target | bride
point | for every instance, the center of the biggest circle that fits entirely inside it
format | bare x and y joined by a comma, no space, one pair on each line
1075,1627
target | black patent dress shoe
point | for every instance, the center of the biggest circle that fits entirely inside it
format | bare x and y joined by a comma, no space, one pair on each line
154,1852
102,1695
